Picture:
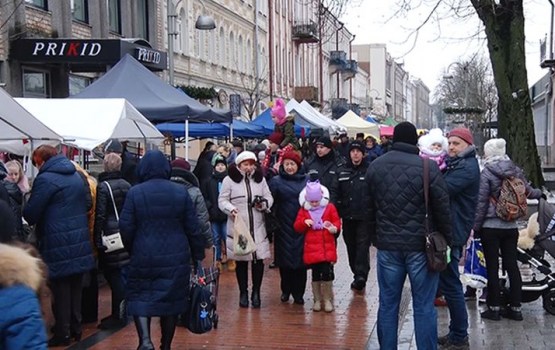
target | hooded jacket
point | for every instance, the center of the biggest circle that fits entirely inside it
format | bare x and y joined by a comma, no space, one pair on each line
58,206
159,228
211,191
21,323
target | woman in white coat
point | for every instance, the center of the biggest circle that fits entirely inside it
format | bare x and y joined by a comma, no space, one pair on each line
245,193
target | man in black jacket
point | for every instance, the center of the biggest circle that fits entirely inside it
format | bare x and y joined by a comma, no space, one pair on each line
398,214
323,165
353,205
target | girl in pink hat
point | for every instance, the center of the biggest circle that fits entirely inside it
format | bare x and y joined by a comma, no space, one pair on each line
285,125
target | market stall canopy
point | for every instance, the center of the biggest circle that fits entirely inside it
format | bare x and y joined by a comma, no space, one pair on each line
264,120
310,117
386,130
90,122
356,124
390,121
240,129
337,128
154,98
370,118
19,128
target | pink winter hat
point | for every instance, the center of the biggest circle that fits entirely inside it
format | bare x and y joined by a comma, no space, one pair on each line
313,191
278,110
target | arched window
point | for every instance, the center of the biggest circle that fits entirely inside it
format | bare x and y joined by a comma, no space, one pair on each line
202,44
212,47
222,48
240,55
184,31
231,63
248,62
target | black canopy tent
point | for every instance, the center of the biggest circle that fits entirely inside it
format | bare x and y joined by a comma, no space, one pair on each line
155,99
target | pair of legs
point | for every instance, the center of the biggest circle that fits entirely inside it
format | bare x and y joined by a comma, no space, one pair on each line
293,282
219,236
242,274
357,240
118,316
393,268
322,286
167,325
67,295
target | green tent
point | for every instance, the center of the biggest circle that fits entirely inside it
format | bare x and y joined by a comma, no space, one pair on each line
389,121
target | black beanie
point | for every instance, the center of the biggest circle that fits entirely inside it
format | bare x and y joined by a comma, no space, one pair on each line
405,132
324,141
358,145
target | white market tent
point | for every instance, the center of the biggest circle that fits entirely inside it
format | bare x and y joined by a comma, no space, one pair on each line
88,123
20,131
309,116
336,126
355,124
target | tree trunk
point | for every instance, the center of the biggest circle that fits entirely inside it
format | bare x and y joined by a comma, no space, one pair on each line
504,27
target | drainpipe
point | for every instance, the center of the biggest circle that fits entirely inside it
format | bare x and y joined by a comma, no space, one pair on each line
351,80
271,48
548,88
337,49
320,22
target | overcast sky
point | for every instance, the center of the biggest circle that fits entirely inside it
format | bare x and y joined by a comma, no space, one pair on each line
438,44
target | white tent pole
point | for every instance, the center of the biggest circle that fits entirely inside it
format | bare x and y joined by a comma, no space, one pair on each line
187,139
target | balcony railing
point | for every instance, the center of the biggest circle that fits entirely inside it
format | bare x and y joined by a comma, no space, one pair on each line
305,32
339,106
350,69
308,93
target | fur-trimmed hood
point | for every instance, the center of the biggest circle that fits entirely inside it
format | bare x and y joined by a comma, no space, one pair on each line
237,176
17,266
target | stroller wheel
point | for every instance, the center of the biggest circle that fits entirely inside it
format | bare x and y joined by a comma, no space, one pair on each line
549,301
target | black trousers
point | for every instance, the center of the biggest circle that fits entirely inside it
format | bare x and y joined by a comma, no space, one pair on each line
357,240
115,280
293,281
67,293
322,272
505,240
89,302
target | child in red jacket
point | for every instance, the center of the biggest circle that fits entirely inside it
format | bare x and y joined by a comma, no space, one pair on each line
319,221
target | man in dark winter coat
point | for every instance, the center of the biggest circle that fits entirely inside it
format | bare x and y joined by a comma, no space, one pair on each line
398,216
353,205
203,168
463,183
324,163
128,161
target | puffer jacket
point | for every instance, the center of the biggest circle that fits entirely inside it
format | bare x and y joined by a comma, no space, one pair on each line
288,244
105,217
21,323
190,181
211,192
490,187
15,200
237,193
325,169
352,191
462,177
396,184
158,225
58,206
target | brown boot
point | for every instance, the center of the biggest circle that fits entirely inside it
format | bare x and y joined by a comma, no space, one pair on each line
317,296
327,295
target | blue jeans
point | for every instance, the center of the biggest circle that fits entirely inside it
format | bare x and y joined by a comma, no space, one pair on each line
219,235
451,287
393,268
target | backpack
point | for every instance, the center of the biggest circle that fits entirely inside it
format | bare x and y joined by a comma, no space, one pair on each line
512,204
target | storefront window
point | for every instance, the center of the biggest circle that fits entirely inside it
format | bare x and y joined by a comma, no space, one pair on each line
80,10
78,83
36,84
142,6
114,14
38,3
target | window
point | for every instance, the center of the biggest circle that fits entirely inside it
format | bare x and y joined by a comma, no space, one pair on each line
36,84
248,61
202,38
240,53
114,16
212,46
38,3
231,57
80,10
222,47
142,20
78,83
184,32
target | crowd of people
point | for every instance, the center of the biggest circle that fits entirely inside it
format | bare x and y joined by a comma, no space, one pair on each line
143,224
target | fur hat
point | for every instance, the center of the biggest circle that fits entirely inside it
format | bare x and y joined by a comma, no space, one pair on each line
313,191
527,235
357,145
434,136
278,111
495,147
294,156
245,155
464,134
405,132
276,137
113,146
324,141
181,164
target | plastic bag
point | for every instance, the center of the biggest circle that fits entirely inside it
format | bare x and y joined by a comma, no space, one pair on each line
243,243
475,273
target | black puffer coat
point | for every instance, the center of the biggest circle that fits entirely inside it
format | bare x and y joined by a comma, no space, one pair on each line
325,169
15,200
353,197
105,221
204,167
398,213
288,244
211,191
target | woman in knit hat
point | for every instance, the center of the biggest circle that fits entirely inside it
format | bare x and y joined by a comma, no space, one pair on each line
319,221
245,194
496,233
288,244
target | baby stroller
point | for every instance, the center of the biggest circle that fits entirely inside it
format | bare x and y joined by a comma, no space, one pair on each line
541,282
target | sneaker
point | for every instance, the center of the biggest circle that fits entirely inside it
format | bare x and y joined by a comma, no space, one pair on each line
491,314
511,314
443,340
440,301
358,284
446,343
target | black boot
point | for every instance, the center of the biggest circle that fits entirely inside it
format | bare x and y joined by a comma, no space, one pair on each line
167,324
143,330
257,274
242,273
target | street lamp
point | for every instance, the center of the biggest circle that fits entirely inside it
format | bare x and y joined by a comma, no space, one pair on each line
204,22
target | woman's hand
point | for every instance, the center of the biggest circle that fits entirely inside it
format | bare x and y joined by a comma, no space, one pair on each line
233,214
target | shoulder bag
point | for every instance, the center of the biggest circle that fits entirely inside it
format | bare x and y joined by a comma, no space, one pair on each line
436,245
113,241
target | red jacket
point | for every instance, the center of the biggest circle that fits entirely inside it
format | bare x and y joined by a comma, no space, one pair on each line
319,245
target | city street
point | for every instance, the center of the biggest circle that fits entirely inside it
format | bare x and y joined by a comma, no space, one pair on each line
351,326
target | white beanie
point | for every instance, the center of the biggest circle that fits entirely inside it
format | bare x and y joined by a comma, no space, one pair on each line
245,155
434,136
495,147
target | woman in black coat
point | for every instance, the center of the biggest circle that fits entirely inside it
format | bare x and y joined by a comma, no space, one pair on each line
288,244
111,184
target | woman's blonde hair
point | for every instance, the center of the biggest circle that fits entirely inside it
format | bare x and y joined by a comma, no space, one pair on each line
112,162
15,164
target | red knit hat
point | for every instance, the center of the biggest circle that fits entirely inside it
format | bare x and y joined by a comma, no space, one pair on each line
276,137
294,156
464,134
181,164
